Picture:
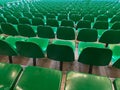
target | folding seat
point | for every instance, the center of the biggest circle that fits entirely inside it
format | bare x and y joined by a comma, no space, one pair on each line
9,29
75,17
45,32
61,50
50,16
114,19
28,15
116,83
116,26
39,15
26,30
2,19
101,27
12,20
66,33
102,18
37,21
31,49
17,14
94,56
83,24
5,14
67,23
52,22
62,17
9,74
24,20
37,78
82,81
89,17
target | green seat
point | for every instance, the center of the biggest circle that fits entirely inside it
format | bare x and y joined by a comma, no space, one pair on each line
75,17
17,14
89,17
66,33
26,30
52,22
81,81
9,29
102,18
37,78
9,74
38,15
42,42
50,16
45,32
95,56
67,23
2,19
28,15
62,17
12,20
30,50
116,83
114,19
24,20
117,64
37,21
60,52
116,26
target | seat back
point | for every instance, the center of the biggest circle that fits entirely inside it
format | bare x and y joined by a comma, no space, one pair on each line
37,21
12,20
52,22
100,25
68,23
24,20
116,26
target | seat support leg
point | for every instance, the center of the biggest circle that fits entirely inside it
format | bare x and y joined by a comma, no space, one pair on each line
61,66
34,61
10,59
90,69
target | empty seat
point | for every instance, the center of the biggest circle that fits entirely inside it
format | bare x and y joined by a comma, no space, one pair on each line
37,78
102,18
12,20
37,21
115,18
9,29
28,15
116,83
116,26
75,17
81,81
89,17
100,25
2,19
17,14
26,30
62,17
39,15
9,75
50,16
66,33
24,20
68,23
52,22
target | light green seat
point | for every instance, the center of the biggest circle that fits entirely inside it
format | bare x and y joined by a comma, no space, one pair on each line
116,83
42,42
37,78
81,81
9,74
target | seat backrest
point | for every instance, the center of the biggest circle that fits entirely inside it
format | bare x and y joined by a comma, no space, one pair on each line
26,30
116,84
2,19
89,17
37,21
68,23
62,17
75,17
9,29
87,35
12,20
45,32
39,79
114,19
24,20
101,25
29,49
102,18
66,33
116,26
60,53
95,56
39,15
28,15
110,37
52,22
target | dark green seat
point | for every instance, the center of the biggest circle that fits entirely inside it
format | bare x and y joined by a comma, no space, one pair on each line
75,17
66,33
37,21
9,29
116,83
115,18
81,81
26,30
9,74
12,20
94,56
30,50
102,18
60,52
17,14
39,15
89,17
116,26
28,15
62,17
52,22
117,63
50,16
24,20
67,23
37,78
2,19
45,32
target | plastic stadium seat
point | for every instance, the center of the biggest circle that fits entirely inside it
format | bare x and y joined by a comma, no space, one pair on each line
37,78
37,21
67,23
39,15
9,29
83,24
116,83
95,57
102,18
50,16
116,26
24,20
12,20
52,22
60,52
28,15
114,19
66,33
26,30
62,17
17,14
2,19
30,50
87,35
45,32
9,74
89,17
75,17
5,14
81,81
